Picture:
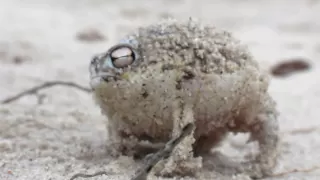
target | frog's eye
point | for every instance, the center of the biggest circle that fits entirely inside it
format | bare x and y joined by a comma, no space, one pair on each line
122,56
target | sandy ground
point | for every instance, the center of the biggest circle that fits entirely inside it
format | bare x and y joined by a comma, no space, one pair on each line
59,131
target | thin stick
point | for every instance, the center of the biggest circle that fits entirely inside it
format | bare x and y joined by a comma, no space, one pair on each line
163,153
88,175
296,171
303,130
45,85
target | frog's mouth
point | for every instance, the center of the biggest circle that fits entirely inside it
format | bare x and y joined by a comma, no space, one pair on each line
106,76
102,77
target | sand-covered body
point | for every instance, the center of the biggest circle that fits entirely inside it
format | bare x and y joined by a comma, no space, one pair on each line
187,64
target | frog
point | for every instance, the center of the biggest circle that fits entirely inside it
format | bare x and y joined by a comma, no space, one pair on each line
162,76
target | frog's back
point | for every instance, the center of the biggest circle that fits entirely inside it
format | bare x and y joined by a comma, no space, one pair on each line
200,46
226,82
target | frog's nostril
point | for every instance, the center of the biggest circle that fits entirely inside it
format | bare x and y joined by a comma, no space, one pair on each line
188,74
106,79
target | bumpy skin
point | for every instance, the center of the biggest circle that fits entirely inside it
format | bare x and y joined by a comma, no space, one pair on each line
187,72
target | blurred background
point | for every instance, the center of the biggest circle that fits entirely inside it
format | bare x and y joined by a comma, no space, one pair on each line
63,35
44,40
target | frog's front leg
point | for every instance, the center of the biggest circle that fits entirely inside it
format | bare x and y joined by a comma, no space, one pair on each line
182,161
120,142
123,142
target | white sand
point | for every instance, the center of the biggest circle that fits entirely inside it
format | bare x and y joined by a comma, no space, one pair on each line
65,134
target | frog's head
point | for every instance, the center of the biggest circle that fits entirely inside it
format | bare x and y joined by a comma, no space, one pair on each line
155,53
139,74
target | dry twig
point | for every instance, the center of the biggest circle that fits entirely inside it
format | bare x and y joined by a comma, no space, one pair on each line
296,171
163,153
303,130
88,175
45,85
152,160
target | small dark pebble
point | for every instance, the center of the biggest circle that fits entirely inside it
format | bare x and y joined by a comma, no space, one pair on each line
289,67
90,35
18,59
16,52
